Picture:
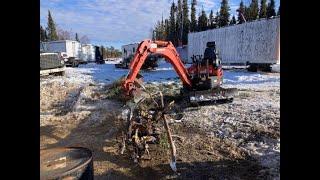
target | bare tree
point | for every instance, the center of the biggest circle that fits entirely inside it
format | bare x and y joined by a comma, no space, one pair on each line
84,39
64,34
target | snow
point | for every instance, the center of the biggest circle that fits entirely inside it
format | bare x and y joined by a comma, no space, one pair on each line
243,79
107,73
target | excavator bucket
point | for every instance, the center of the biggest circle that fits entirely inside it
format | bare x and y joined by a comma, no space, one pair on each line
139,93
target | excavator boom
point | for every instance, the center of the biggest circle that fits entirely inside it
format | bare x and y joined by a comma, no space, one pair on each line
163,48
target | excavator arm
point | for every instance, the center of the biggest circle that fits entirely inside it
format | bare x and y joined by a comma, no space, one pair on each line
163,48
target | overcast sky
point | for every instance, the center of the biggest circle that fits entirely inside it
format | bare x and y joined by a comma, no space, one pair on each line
117,22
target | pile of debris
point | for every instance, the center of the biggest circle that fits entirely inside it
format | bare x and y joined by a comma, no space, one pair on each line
144,126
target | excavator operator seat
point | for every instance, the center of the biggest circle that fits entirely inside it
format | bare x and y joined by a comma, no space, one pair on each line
210,53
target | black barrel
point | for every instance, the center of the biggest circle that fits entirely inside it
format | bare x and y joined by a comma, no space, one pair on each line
66,163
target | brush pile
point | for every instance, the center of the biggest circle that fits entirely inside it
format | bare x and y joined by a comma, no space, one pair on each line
143,126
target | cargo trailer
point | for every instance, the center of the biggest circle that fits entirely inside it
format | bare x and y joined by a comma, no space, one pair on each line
256,43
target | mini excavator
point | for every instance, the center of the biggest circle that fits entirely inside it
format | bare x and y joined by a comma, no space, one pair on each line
201,81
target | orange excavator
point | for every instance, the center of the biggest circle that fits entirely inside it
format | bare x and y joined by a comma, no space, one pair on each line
201,81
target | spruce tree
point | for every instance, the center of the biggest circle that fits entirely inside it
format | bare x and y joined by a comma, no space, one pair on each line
42,34
45,35
198,22
52,32
233,21
271,9
247,13
216,20
167,29
241,12
193,25
156,29
263,9
203,21
162,31
179,22
186,21
253,10
77,38
224,13
103,52
172,34
211,20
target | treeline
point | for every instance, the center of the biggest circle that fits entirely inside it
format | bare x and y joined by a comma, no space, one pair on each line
178,25
53,33
109,52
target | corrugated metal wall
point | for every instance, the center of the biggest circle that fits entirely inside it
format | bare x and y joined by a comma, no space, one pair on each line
183,53
257,41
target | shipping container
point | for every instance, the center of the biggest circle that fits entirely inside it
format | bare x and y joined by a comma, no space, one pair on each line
87,53
252,42
183,53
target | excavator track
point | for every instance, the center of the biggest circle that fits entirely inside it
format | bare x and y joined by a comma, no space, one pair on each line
212,96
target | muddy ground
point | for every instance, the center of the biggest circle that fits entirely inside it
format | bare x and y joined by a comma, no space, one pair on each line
238,140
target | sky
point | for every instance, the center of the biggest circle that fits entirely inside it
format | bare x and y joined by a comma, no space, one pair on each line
117,22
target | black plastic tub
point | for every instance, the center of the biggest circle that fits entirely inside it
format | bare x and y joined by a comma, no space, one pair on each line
66,163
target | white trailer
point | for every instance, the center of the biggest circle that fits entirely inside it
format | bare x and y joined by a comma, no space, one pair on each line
183,53
87,53
72,48
128,50
256,42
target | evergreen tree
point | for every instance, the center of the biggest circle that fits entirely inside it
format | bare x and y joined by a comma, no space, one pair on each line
263,9
199,17
203,21
278,13
193,25
77,37
253,10
103,52
42,34
271,9
156,29
211,20
167,29
179,22
247,13
241,12
162,30
216,20
45,35
186,21
233,21
52,32
172,33
224,13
